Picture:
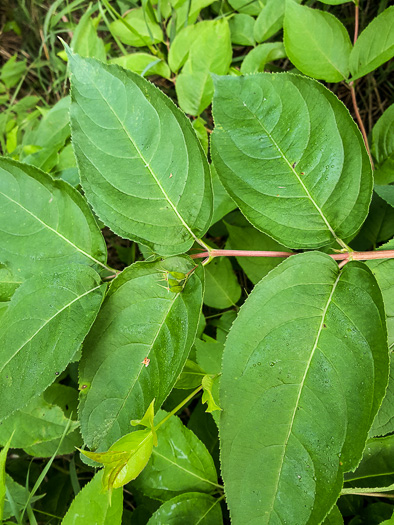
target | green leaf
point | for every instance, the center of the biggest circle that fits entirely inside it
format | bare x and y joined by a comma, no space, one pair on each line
386,193
249,7
241,29
256,60
158,192
210,52
374,46
8,283
379,224
222,289
376,468
12,71
139,319
270,19
46,321
336,2
242,236
137,28
143,63
192,508
334,518
91,505
383,147
45,223
209,355
125,459
201,132
39,426
291,157
3,459
208,396
180,463
222,202
85,40
316,42
190,377
16,498
322,349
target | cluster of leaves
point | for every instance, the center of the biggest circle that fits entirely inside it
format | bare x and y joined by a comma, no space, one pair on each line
291,358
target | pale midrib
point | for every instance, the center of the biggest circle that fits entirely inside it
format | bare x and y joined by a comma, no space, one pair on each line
186,470
340,242
45,324
302,386
147,165
209,510
56,232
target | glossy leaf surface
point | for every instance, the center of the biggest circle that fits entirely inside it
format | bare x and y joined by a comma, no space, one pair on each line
316,42
180,463
44,223
47,319
142,167
310,339
140,319
192,508
291,157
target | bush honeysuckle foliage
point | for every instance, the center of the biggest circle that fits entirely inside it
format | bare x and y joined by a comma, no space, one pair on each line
295,377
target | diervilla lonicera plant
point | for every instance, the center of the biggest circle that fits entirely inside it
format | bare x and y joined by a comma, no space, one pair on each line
299,390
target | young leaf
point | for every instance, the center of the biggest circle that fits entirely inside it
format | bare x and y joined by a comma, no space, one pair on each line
143,63
249,7
322,349
291,157
190,377
47,319
85,41
383,147
316,42
138,28
222,288
180,463
270,19
208,397
241,29
45,223
91,505
192,508
137,348
141,164
374,46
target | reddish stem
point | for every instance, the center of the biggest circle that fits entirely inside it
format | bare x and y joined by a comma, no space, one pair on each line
352,256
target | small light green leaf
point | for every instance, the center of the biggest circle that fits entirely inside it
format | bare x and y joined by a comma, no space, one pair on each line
136,349
335,2
8,283
3,459
180,463
316,42
374,46
47,319
241,29
222,289
256,60
298,169
148,178
270,19
143,63
147,420
12,71
242,236
211,52
249,7
207,396
92,505
191,376
376,468
201,132
44,223
39,426
85,40
383,147
337,368
192,508
137,28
